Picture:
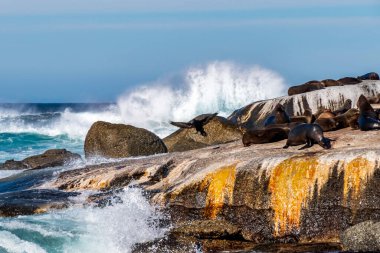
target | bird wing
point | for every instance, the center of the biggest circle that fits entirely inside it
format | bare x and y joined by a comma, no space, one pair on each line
205,118
182,124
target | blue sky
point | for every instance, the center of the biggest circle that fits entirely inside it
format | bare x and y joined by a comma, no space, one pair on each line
94,50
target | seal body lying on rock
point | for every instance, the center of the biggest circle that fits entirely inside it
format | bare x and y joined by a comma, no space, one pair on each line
347,119
345,107
306,87
368,117
326,114
280,116
349,80
266,135
307,117
197,123
369,76
309,134
327,124
331,82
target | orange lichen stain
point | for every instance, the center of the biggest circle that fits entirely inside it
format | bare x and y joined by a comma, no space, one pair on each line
97,183
291,185
356,174
220,187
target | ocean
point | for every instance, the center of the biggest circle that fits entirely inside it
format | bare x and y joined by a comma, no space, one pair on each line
30,129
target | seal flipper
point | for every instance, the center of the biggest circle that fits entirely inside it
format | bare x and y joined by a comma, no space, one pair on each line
307,145
182,124
286,146
203,132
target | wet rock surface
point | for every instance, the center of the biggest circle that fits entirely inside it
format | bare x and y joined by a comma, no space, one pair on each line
33,201
13,165
50,158
219,130
120,141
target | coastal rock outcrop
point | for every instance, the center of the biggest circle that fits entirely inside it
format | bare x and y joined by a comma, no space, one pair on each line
333,98
50,158
219,130
268,194
119,141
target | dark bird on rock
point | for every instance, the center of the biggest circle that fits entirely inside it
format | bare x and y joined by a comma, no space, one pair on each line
197,123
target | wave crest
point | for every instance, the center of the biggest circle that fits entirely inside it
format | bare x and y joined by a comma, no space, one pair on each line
217,87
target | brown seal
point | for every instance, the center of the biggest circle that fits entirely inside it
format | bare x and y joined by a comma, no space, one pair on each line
374,99
266,135
331,82
369,76
347,119
306,87
326,114
280,116
349,80
368,117
344,108
327,124
307,117
309,134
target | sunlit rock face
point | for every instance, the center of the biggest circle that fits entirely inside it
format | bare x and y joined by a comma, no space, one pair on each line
254,115
267,192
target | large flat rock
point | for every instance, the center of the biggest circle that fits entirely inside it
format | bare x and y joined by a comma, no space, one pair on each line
267,192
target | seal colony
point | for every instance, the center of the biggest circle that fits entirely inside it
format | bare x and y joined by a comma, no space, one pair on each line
307,128
317,85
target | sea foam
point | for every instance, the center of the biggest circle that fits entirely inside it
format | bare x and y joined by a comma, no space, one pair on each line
114,229
216,87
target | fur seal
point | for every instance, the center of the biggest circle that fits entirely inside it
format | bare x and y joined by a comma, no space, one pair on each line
266,135
327,124
349,80
306,87
345,107
326,114
309,134
369,76
307,117
347,119
367,118
331,83
374,99
280,116
197,123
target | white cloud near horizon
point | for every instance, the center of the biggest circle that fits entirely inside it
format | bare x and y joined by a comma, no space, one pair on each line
25,7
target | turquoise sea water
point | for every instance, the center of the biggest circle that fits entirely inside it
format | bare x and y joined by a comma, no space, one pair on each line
31,129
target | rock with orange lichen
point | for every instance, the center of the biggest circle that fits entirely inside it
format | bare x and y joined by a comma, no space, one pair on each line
267,193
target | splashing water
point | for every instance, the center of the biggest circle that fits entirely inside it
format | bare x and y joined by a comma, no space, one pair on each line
219,87
222,87
113,229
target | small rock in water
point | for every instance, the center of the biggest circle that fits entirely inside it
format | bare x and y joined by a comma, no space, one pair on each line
51,158
13,165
